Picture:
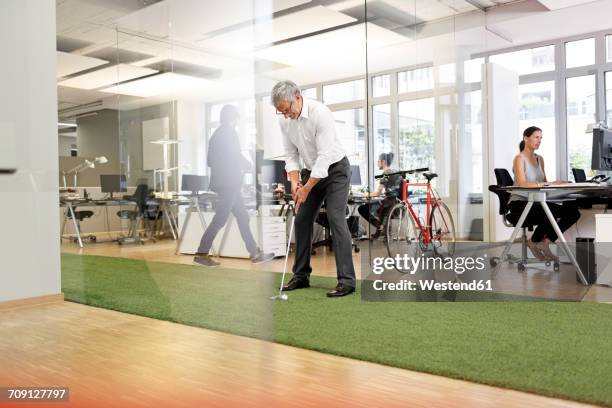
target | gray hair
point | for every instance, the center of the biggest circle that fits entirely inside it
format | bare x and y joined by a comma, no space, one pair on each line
284,91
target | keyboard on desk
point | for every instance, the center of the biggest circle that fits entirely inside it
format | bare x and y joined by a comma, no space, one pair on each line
578,185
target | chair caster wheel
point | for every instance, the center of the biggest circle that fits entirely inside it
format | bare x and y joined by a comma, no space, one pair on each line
521,266
357,249
556,266
494,261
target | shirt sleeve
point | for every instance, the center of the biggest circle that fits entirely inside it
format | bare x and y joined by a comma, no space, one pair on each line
292,156
324,139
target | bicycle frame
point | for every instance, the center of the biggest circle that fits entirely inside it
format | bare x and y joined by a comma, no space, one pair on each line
432,199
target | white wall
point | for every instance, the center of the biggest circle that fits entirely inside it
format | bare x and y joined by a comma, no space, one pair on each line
29,243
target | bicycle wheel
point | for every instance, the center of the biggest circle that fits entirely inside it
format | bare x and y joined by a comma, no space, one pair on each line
442,230
402,237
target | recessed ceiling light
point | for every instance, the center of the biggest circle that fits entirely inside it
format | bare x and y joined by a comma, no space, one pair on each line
166,83
107,76
68,64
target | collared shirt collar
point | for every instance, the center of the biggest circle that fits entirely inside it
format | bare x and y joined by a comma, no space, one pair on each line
305,109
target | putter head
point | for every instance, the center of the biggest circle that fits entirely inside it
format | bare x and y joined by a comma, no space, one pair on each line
280,297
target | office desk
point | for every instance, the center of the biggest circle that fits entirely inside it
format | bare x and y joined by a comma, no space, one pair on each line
72,203
166,206
541,195
193,200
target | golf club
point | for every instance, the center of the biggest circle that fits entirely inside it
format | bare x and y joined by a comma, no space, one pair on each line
281,295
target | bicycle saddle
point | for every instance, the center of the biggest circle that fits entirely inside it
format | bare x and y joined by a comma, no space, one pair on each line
430,176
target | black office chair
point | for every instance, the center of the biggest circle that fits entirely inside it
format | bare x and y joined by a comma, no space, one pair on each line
80,216
352,222
587,202
579,175
140,214
510,220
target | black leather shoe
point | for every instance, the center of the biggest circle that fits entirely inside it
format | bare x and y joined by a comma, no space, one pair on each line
341,291
296,283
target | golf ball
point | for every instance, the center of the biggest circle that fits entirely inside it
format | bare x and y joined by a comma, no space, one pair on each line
284,297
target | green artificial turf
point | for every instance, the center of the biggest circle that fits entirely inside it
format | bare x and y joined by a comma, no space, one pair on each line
560,349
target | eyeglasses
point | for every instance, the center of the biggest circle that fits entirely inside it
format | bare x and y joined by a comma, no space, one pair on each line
286,112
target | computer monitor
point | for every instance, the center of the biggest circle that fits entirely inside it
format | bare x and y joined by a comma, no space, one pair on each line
194,183
113,183
601,158
271,172
355,175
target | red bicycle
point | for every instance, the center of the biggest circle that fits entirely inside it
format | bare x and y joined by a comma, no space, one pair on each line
407,232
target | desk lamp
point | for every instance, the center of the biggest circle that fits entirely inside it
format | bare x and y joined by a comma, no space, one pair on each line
165,172
87,164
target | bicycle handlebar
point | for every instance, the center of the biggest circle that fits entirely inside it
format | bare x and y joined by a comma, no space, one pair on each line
403,173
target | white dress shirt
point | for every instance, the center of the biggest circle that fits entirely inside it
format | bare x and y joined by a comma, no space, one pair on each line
311,137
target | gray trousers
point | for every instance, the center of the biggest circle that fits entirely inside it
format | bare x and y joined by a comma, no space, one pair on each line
229,201
334,190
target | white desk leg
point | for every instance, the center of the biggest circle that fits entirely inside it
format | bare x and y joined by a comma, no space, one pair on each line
64,224
76,226
169,219
517,229
564,245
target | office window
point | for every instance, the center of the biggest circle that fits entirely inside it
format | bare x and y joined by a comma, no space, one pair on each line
608,81
472,70
537,108
344,92
580,53
416,121
381,128
473,135
350,128
527,61
310,93
608,48
446,74
381,85
580,92
415,80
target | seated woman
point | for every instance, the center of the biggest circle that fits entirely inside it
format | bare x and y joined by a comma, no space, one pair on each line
528,171
375,212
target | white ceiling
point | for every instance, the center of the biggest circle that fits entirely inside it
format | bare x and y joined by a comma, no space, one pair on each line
559,4
229,43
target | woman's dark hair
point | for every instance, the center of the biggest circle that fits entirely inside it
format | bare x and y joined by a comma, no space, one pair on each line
386,157
527,133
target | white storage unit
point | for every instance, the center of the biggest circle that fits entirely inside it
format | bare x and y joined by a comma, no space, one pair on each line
603,238
270,233
273,235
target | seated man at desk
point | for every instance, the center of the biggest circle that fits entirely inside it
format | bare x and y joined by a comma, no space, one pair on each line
375,212
528,171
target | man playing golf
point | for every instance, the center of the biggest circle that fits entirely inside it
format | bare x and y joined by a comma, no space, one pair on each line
310,135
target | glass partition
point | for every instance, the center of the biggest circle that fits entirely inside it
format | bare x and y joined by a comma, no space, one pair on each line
194,214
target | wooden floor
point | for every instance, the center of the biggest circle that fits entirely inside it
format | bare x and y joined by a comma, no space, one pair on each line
538,281
112,359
